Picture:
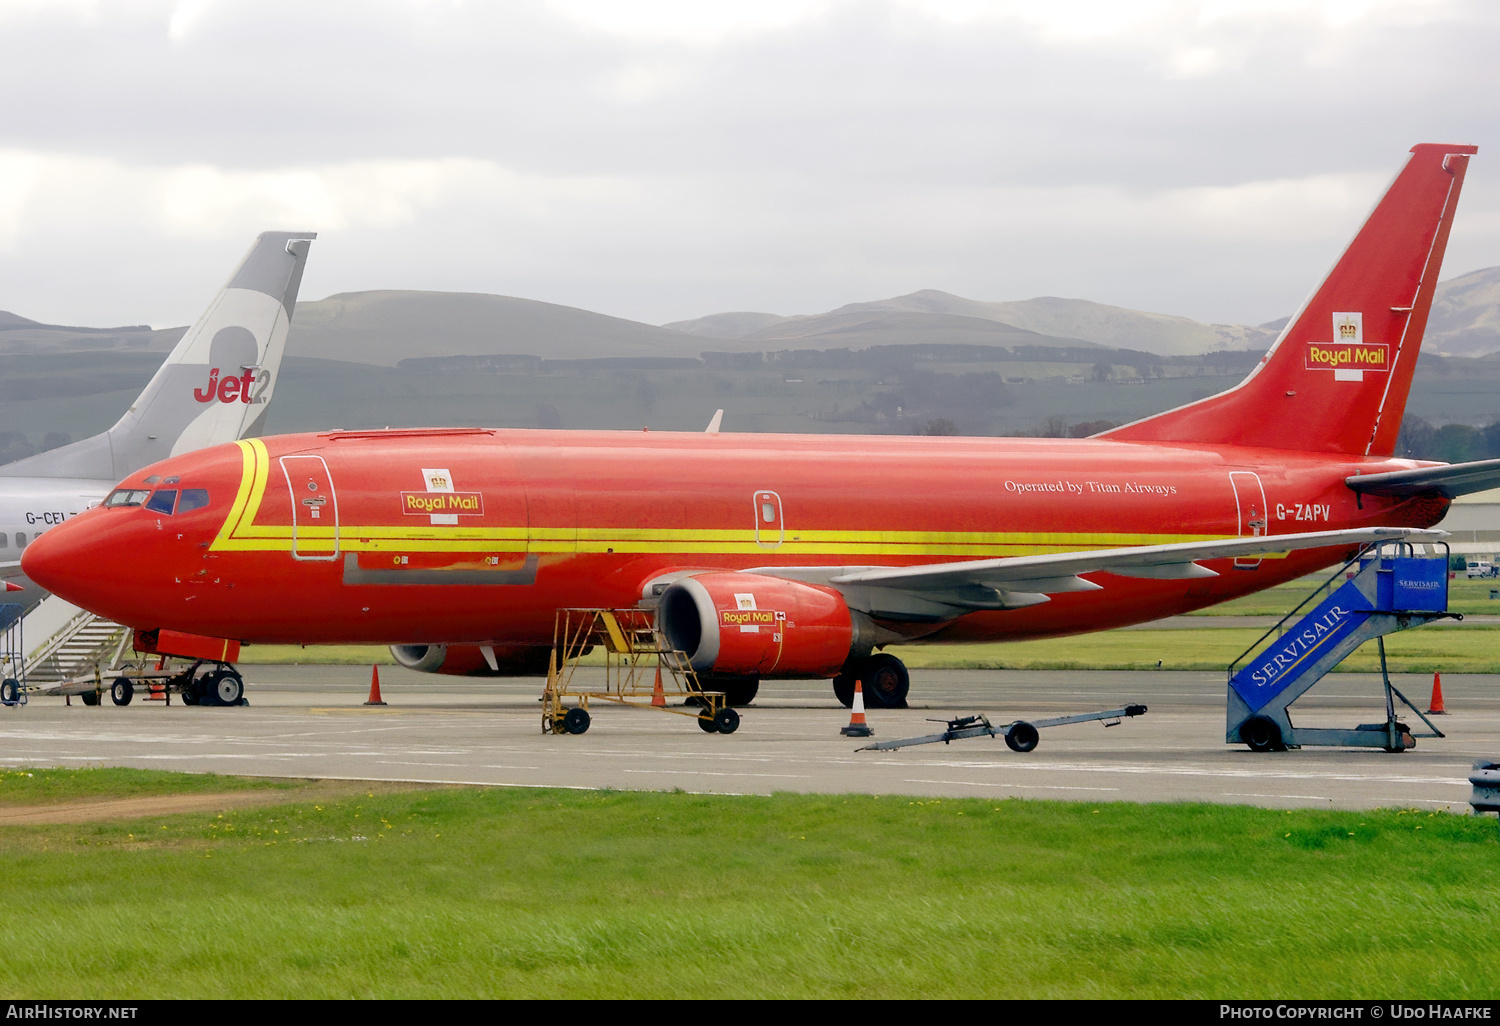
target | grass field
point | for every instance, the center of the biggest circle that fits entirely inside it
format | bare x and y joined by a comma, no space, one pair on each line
1471,598
1425,650
522,893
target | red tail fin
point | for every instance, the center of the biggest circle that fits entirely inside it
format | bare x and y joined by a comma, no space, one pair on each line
1337,378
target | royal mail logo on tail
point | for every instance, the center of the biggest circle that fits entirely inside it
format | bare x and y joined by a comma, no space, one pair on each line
1349,356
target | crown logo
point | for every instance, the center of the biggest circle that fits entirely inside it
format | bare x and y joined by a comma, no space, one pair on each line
1347,329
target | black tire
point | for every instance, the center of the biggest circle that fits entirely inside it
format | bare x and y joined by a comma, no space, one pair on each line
10,691
576,721
726,721
1262,735
121,691
226,687
1022,737
843,689
90,697
708,723
886,682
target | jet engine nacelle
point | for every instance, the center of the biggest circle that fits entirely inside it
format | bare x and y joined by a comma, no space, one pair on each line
753,625
469,661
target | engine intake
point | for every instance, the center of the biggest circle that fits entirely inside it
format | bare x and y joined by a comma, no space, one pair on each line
754,625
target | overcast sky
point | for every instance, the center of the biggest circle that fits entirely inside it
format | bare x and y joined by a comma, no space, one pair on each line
661,160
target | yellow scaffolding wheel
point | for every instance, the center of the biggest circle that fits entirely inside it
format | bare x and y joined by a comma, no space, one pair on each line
575,721
725,721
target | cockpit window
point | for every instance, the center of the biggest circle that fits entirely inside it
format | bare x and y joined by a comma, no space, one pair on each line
163,501
153,479
192,498
127,497
174,479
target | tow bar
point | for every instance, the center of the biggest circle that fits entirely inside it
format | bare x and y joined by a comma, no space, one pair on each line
1020,736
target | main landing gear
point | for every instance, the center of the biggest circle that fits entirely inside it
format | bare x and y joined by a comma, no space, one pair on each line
220,686
883,680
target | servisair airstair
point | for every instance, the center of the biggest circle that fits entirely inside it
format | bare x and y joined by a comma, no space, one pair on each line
1394,587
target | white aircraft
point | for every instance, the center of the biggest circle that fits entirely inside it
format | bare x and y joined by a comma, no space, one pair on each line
213,388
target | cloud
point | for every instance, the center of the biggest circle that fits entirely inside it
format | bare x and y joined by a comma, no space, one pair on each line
664,160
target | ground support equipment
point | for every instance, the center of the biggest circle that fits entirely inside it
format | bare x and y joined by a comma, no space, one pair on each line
221,685
1393,589
1020,735
639,670
12,655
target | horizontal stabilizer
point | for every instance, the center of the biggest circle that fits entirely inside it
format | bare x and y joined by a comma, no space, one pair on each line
1449,481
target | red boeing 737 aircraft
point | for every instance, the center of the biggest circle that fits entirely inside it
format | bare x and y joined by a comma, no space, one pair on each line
798,555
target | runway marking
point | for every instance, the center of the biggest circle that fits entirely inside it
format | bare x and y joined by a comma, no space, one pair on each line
1026,787
1193,771
1252,794
711,773
398,762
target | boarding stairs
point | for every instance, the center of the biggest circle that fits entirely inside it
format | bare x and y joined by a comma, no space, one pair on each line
1394,587
65,642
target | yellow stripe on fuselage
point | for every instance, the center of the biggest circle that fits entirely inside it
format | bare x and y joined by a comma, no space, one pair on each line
240,533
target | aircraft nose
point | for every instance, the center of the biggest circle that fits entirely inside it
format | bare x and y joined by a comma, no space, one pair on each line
65,560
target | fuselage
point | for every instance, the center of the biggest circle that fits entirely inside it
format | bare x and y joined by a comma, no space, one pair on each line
478,536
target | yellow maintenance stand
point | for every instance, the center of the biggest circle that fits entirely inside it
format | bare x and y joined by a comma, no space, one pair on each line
638,670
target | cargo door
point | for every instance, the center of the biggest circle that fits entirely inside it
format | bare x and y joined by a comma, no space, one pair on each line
1250,503
315,508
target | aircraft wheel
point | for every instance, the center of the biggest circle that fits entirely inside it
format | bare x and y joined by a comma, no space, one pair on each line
886,682
90,697
726,721
710,724
1262,735
121,691
227,686
10,691
1022,737
843,689
576,721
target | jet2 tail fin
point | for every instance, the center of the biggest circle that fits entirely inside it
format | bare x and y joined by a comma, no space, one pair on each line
214,386
1337,378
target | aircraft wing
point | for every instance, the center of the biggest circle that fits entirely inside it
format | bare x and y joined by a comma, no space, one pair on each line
1449,481
937,591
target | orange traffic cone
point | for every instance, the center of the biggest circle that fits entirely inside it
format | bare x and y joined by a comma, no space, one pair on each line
374,687
1437,697
857,725
657,698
